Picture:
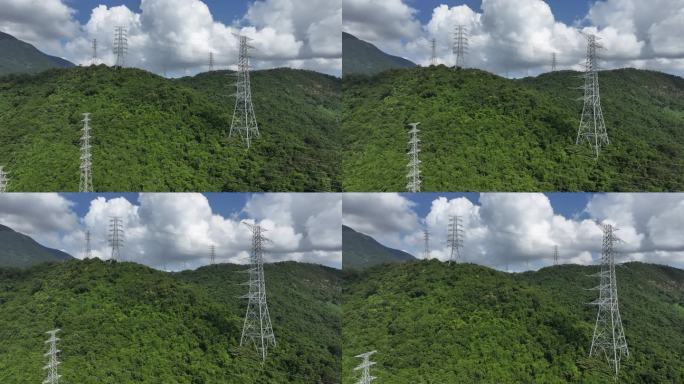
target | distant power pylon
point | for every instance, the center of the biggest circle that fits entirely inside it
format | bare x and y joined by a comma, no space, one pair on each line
244,120
212,253
364,367
609,337
94,60
120,45
116,237
88,252
211,61
554,63
433,58
555,255
4,179
52,357
461,45
414,182
455,238
592,128
426,239
257,326
86,183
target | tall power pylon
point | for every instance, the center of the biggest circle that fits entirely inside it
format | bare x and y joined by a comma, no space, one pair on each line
86,183
592,128
554,62
53,361
609,337
455,238
212,253
94,59
426,239
257,326
364,367
87,252
116,237
461,45
414,182
4,179
120,45
433,58
244,120
211,61
555,255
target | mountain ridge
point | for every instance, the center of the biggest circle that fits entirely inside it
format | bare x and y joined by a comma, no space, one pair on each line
17,56
21,251
361,251
363,58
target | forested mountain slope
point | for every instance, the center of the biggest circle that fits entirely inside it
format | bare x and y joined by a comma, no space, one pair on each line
482,132
126,323
154,134
435,323
361,251
19,250
17,56
362,57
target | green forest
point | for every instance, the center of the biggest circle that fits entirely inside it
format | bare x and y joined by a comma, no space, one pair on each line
482,132
436,323
127,323
150,133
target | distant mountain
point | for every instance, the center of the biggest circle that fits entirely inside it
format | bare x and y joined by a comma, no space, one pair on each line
17,56
18,250
361,57
361,251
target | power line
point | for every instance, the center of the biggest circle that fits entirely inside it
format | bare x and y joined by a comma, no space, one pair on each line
414,163
257,326
244,120
120,45
592,128
116,237
53,361
426,239
461,45
364,367
4,179
609,337
88,252
86,183
455,238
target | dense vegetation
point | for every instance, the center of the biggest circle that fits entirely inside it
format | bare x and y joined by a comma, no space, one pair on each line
17,56
361,57
126,323
482,132
434,323
155,134
361,251
18,250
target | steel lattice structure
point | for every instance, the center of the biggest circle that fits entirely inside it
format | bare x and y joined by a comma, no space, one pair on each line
609,337
244,120
116,237
257,326
433,58
555,255
212,253
211,61
86,183
88,252
120,45
592,128
364,367
461,45
94,59
4,179
53,361
455,234
554,62
414,182
426,239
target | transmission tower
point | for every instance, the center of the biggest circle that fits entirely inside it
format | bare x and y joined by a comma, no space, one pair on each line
426,239
555,255
53,362
414,164
211,61
257,327
461,45
609,337
592,128
433,58
212,253
88,252
120,45
116,237
364,367
455,238
244,121
554,62
4,179
86,183
94,62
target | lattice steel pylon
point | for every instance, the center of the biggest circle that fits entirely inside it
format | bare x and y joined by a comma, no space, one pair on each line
86,183
94,59
555,255
212,253
4,179
455,238
414,182
364,367
554,62
609,337
592,128
433,58
244,120
211,61
426,239
116,237
120,45
461,45
52,357
87,252
257,327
